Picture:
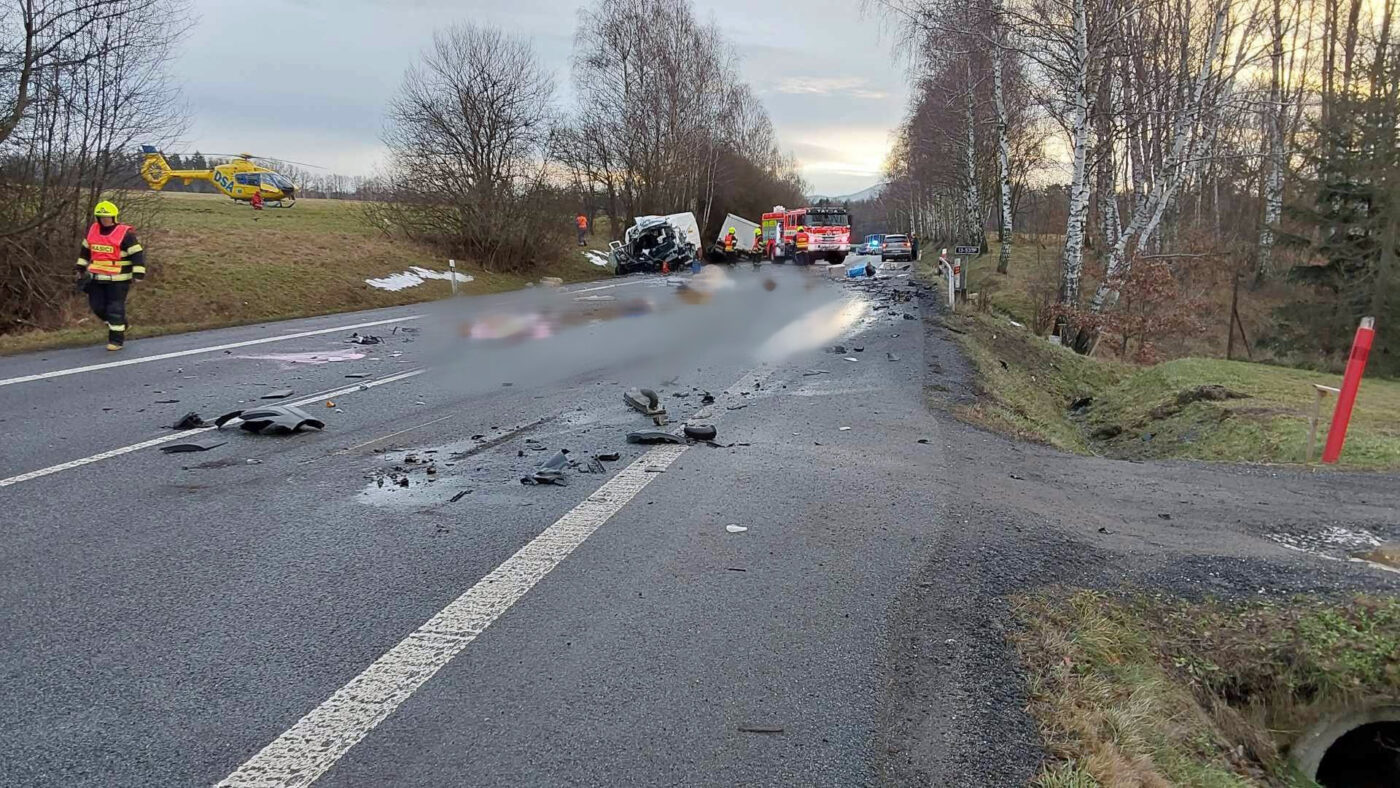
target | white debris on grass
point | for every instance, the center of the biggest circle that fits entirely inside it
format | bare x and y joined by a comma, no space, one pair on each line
597,258
413,277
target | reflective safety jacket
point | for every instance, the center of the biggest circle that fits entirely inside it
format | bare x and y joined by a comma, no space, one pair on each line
801,240
112,254
730,242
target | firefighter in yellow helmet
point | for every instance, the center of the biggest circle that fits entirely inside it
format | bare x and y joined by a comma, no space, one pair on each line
110,259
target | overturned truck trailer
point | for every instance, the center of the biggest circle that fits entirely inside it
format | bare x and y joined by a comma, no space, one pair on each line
746,243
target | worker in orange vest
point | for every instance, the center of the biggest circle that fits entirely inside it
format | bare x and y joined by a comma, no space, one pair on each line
582,222
731,240
110,259
800,241
758,240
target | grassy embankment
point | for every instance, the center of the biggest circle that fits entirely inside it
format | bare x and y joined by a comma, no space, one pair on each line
1150,691
1159,411
218,263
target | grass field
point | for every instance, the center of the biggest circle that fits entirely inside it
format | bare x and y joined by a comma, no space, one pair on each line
214,263
1030,386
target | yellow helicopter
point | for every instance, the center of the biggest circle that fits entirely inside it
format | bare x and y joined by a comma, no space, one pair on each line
239,178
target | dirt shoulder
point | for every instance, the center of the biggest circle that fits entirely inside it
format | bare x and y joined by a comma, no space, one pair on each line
1025,516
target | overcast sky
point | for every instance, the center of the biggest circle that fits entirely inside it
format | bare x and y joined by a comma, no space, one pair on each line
308,80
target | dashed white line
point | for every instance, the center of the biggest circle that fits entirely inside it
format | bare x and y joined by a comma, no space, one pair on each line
309,748
126,362
185,434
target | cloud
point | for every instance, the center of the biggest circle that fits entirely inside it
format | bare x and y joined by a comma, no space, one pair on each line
853,87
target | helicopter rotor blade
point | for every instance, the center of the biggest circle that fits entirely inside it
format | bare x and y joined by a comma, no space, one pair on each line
273,159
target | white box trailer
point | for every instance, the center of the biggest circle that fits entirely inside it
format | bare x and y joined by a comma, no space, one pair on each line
743,230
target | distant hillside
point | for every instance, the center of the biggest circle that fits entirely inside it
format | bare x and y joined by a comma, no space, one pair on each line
860,196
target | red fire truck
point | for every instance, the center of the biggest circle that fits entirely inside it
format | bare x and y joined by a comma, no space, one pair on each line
828,229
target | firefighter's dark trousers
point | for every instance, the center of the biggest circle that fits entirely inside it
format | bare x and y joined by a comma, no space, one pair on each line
108,302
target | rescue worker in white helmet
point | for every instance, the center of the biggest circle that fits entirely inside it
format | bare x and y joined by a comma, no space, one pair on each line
111,258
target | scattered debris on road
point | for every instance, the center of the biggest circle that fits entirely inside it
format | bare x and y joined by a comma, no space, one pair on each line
278,394
364,339
735,529
193,446
609,457
645,402
551,471
189,421
770,729
813,372
275,420
459,496
653,437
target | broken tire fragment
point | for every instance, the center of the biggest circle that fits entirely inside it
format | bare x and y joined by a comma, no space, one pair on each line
700,432
190,421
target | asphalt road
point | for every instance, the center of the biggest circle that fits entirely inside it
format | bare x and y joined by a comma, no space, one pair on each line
280,611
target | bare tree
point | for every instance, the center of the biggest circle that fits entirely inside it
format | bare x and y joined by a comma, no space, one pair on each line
470,139
82,82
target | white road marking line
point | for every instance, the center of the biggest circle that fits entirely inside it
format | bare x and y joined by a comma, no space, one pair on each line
309,748
184,434
58,373
609,287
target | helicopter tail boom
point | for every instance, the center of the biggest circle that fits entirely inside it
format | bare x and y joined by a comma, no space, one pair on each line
156,171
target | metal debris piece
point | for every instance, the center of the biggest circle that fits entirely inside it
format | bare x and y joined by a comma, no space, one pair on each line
459,496
839,350
891,356
653,436
189,421
760,729
184,448
609,457
551,471
813,372
700,432
644,401
273,420
358,375
708,399
859,348
278,394
852,358
367,339
735,529
166,401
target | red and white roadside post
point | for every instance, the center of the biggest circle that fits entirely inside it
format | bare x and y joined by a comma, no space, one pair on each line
1356,365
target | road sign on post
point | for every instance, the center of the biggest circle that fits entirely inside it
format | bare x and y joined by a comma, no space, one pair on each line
969,250
1356,365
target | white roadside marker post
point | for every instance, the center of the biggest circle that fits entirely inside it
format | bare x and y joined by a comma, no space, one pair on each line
952,278
452,275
